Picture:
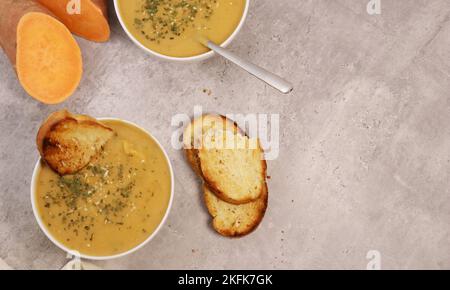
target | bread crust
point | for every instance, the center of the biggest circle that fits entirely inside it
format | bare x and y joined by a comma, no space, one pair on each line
218,205
257,209
190,151
192,155
215,188
51,124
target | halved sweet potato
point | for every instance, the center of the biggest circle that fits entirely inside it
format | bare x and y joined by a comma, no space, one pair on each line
44,53
92,21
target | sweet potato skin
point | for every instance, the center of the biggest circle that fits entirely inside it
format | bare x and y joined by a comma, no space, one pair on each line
92,24
11,11
103,5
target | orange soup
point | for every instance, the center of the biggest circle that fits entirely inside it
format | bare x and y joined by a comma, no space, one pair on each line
112,205
172,27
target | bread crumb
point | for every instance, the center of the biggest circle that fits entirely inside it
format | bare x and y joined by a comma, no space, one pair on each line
207,91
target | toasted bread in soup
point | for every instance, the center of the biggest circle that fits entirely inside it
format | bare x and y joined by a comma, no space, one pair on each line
235,175
68,142
232,220
193,134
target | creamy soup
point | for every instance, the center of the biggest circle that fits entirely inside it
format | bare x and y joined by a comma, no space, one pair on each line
173,27
112,205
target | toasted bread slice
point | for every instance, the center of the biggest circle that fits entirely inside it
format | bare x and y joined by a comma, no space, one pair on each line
244,180
232,220
236,175
193,134
68,142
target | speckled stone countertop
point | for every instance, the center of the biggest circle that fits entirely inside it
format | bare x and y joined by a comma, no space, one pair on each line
364,160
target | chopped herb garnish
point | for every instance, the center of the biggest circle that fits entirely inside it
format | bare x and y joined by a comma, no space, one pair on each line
162,19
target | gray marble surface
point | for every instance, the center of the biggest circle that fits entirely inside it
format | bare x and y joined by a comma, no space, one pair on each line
364,161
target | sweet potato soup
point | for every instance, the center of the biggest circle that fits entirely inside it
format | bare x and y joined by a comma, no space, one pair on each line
172,27
112,205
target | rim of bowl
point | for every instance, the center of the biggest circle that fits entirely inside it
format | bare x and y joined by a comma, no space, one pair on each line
194,58
130,251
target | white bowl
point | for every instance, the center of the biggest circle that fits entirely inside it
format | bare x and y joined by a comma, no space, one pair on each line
199,57
80,255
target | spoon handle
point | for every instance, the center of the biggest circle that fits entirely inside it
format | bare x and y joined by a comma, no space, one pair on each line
264,75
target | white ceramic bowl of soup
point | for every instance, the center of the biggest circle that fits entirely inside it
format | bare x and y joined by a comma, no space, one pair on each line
74,252
194,58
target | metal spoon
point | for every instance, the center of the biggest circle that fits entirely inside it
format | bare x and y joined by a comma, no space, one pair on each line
270,78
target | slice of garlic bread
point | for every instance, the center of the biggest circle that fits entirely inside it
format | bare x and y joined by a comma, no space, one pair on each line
193,134
68,142
236,175
232,220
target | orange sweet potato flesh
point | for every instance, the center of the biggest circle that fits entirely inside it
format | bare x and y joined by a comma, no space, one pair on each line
91,23
44,53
